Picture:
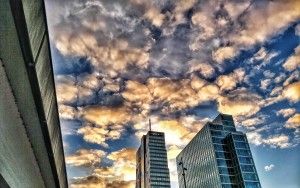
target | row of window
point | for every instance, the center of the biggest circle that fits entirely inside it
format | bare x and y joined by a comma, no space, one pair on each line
158,155
158,159
227,155
252,185
156,146
161,179
158,163
250,177
247,168
157,141
160,183
156,150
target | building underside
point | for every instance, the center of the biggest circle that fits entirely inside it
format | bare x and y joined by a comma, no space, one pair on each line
31,149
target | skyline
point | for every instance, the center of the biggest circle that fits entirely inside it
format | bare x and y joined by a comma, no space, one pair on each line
119,63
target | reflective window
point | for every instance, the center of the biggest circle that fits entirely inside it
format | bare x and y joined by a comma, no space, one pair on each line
218,147
231,129
216,127
225,179
245,160
247,168
241,145
217,140
243,152
222,162
238,137
216,133
220,155
252,185
250,176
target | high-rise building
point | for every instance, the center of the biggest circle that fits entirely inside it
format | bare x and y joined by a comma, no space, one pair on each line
218,157
152,164
31,149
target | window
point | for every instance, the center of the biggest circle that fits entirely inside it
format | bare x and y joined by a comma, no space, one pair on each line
216,133
250,176
231,129
247,168
245,160
217,140
224,170
252,185
216,127
218,147
241,145
237,137
221,162
225,179
220,155
242,152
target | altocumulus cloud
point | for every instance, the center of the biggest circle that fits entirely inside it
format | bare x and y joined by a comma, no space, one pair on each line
164,59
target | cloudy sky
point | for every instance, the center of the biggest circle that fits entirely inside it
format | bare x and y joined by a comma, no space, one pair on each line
118,63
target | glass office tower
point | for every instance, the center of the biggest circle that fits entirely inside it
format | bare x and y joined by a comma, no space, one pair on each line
218,157
152,164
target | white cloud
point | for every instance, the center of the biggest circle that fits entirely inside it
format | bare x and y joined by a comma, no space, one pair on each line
276,141
269,167
286,112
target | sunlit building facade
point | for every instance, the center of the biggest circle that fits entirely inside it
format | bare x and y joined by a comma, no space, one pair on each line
219,157
152,164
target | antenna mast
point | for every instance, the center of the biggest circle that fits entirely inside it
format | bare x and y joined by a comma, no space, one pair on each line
150,124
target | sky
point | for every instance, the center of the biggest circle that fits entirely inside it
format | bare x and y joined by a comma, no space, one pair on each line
118,63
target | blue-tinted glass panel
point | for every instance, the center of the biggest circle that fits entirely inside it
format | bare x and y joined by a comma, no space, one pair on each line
224,170
243,152
225,179
245,160
247,168
238,137
216,127
216,133
250,177
220,155
218,147
252,185
241,145
217,140
231,129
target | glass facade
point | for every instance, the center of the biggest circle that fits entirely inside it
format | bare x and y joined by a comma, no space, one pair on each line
223,161
152,163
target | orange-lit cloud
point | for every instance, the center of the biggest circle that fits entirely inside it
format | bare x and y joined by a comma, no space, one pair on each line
279,13
242,105
293,122
228,82
84,157
224,53
114,56
68,91
120,174
153,14
99,182
292,92
99,135
102,116
286,112
293,61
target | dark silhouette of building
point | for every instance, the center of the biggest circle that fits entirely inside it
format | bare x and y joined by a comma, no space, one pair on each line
151,162
31,149
218,157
